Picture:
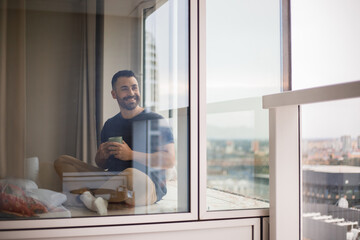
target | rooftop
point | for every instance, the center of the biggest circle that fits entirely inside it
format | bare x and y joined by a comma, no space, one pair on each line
332,169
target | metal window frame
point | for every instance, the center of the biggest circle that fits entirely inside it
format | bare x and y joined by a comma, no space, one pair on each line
285,57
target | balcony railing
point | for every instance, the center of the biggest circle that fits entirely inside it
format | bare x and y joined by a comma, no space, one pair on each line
285,155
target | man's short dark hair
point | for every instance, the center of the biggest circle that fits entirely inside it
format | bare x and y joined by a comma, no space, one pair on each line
122,73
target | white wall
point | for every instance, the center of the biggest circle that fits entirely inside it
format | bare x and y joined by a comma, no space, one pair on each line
122,50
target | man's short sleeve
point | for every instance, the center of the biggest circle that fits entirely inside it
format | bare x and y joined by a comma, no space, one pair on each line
103,134
159,134
166,133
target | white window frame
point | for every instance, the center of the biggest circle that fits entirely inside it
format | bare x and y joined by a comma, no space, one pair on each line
285,57
161,231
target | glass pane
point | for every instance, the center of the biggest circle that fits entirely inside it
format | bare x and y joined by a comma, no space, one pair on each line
95,116
243,63
331,170
325,38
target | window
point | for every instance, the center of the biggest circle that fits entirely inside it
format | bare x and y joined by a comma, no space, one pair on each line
329,130
242,64
311,127
61,91
67,109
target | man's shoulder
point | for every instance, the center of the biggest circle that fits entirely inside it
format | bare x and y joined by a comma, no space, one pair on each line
113,119
148,115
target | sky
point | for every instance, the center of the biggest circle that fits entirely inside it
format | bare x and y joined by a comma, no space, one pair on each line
243,60
168,28
326,50
331,119
242,49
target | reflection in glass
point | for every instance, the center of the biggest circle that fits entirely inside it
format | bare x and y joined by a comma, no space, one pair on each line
331,169
243,63
82,156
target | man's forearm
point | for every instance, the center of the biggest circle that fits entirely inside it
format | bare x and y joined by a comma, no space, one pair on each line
162,159
100,161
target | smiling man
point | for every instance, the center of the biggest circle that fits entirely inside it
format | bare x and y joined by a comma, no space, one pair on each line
146,151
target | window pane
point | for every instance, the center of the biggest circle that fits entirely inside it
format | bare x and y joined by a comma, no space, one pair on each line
89,139
331,169
243,63
325,42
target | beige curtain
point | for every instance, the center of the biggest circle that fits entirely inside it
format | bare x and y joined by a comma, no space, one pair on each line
88,124
12,88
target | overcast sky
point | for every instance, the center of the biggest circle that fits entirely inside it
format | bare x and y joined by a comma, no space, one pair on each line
326,50
243,60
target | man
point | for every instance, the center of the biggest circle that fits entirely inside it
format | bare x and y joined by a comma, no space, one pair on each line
146,151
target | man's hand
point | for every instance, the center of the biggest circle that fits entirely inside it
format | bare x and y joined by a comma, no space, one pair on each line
103,150
120,151
102,154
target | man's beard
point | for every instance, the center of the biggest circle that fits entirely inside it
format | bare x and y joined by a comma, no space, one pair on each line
129,106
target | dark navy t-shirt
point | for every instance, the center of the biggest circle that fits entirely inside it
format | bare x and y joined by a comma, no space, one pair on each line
146,132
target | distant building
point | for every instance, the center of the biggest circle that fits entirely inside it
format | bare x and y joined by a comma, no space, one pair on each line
326,184
346,143
229,147
151,73
255,146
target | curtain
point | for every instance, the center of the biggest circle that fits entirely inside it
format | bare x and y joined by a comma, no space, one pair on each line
12,88
90,85
13,85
